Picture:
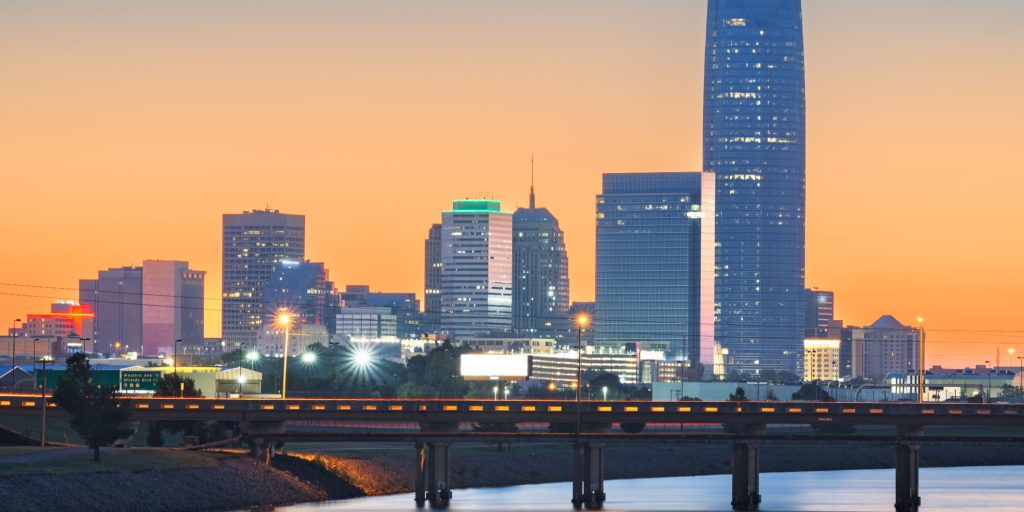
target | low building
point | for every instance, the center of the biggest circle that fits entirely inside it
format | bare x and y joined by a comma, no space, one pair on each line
270,340
951,384
716,391
510,345
562,368
821,360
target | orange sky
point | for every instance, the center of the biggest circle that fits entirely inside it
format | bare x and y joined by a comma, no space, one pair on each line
128,128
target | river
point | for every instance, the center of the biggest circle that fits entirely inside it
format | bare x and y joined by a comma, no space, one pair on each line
977,489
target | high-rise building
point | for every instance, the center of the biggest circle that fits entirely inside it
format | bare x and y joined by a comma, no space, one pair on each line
883,347
754,142
476,273
172,306
305,290
116,298
655,257
404,306
432,280
819,315
254,243
540,273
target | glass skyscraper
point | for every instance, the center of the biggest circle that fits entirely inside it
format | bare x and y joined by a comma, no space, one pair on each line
254,243
754,142
476,269
305,289
540,277
652,251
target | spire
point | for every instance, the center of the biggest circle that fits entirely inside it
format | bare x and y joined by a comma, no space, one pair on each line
533,199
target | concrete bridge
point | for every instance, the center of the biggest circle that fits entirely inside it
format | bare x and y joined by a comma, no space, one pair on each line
589,426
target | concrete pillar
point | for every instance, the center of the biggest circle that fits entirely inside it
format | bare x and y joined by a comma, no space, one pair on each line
593,483
439,491
745,479
421,474
907,497
578,465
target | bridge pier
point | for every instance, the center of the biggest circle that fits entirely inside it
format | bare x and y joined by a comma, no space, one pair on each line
908,497
420,494
588,475
439,490
745,476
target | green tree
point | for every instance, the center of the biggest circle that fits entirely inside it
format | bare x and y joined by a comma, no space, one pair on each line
96,413
740,395
171,385
813,391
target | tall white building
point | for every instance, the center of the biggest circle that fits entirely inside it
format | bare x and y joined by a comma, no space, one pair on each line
476,276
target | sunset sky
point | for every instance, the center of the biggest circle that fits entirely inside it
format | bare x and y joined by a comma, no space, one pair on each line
128,128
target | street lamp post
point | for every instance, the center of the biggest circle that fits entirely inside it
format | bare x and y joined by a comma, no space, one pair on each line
14,334
284,319
604,392
988,391
1020,374
920,361
581,322
42,400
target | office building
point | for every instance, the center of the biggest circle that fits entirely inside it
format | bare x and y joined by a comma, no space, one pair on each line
367,323
819,315
884,347
562,369
754,142
540,273
655,257
432,280
66,318
173,307
304,289
254,243
476,275
404,306
116,298
821,360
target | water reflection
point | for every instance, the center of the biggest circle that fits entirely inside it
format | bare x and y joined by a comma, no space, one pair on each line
985,489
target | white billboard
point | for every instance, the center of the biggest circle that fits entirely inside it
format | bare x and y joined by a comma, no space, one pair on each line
494,366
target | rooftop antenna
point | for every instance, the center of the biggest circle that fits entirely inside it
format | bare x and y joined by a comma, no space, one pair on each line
533,199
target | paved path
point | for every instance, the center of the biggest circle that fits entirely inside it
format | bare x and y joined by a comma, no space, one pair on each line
42,455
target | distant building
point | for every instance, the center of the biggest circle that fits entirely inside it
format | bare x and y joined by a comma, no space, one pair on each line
405,307
510,345
819,315
655,263
540,273
755,143
476,276
116,298
305,290
173,308
562,369
254,243
66,318
271,337
884,347
432,280
821,360
367,322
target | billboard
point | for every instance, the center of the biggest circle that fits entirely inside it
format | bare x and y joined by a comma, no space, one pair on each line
494,366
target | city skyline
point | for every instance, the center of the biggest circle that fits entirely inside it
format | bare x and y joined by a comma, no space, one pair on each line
846,227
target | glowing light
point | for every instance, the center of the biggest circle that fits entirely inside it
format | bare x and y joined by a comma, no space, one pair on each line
284,318
362,358
252,356
308,357
241,379
582,320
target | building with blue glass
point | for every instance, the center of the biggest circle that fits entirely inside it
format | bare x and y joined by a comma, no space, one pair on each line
754,142
655,263
304,289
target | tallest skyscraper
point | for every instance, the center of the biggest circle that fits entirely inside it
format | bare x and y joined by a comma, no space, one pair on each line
754,142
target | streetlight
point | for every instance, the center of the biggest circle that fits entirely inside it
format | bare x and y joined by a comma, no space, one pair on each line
1020,374
42,398
14,333
308,357
920,361
604,392
988,396
284,319
581,322
495,392
252,356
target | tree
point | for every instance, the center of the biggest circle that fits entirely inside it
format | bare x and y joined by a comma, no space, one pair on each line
96,413
171,385
739,396
813,391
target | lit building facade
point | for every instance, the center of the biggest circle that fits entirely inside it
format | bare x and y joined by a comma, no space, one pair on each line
305,290
367,322
886,346
540,273
821,360
432,280
754,142
254,243
655,261
116,298
562,369
173,307
819,314
66,318
476,274
404,306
